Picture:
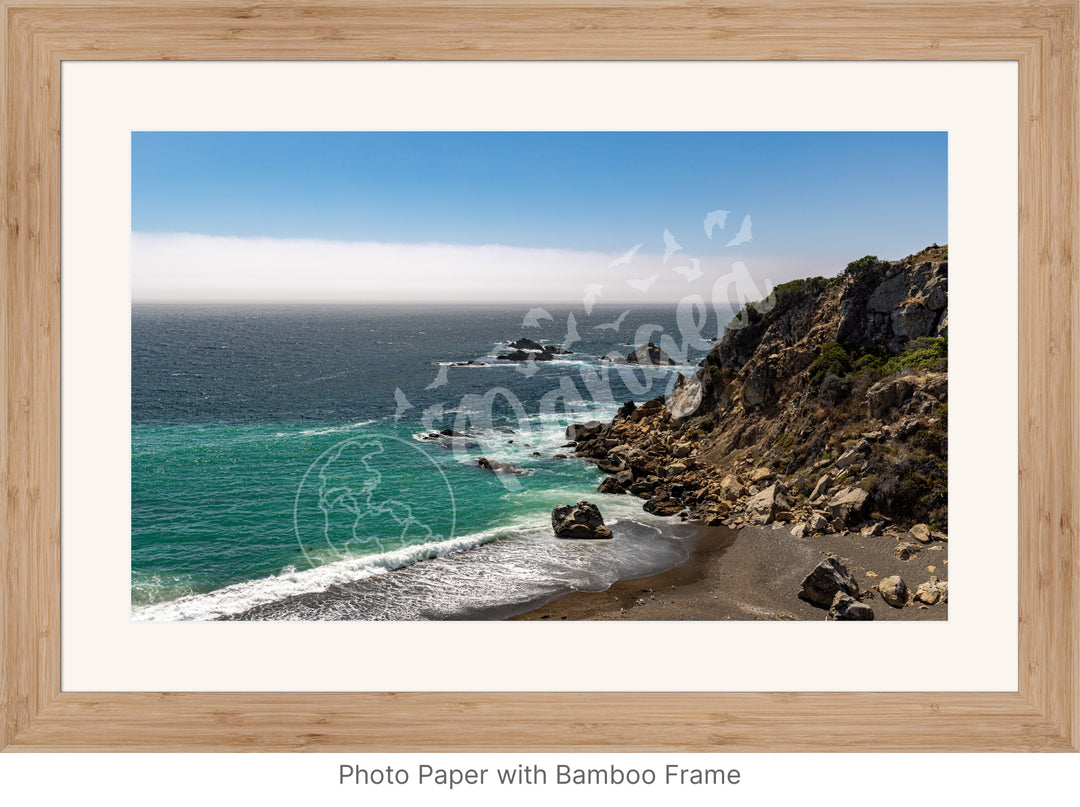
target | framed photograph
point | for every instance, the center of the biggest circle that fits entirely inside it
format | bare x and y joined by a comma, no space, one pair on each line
320,415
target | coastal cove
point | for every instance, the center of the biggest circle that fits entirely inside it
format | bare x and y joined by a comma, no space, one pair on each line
251,503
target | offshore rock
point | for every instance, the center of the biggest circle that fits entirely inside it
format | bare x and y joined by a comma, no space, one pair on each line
499,468
649,355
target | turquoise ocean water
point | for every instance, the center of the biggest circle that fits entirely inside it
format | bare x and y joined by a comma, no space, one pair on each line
286,461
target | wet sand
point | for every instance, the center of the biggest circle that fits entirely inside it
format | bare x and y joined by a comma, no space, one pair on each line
755,574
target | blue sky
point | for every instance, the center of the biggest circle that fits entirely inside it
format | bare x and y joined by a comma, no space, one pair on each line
816,200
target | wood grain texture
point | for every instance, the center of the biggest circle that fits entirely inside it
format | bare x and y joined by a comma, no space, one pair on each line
37,34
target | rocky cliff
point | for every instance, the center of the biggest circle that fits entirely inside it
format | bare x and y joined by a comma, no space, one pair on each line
824,405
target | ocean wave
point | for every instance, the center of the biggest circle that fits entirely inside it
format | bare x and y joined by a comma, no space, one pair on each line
496,579
541,433
240,597
314,432
486,361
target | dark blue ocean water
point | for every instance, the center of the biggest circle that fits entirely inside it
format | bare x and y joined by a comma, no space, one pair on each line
280,451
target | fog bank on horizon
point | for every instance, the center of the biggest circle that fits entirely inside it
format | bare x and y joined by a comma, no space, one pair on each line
188,267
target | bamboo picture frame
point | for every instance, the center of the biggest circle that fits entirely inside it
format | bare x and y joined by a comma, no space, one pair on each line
38,35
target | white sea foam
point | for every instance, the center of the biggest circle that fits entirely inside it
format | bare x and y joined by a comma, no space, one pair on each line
523,561
240,597
499,578
328,429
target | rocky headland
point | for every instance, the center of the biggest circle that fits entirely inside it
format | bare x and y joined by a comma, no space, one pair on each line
822,413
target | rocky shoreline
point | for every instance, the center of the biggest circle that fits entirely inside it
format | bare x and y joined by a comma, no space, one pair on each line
822,412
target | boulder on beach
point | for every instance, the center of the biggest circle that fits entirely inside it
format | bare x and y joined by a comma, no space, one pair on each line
932,592
905,550
846,608
894,591
828,577
921,533
581,520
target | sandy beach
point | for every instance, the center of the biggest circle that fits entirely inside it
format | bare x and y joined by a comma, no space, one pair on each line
755,574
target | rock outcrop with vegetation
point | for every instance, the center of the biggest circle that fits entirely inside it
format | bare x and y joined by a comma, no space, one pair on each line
824,406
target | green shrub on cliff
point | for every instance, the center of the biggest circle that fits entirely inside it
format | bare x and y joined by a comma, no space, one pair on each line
924,353
747,326
866,268
831,358
863,275
780,300
789,294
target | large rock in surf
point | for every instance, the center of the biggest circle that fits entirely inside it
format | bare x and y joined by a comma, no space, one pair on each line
499,468
584,431
581,520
